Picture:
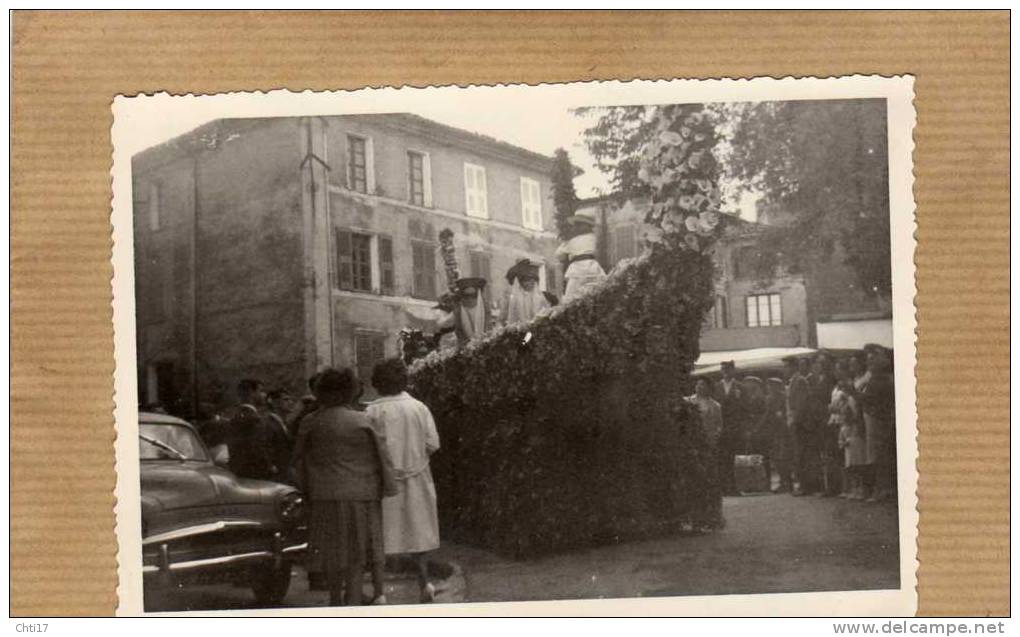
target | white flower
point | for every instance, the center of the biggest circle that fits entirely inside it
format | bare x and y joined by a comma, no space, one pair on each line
670,137
708,221
692,223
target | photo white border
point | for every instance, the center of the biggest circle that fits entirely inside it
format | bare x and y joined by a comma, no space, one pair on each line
135,114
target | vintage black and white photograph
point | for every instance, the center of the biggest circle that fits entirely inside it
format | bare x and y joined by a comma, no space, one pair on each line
649,342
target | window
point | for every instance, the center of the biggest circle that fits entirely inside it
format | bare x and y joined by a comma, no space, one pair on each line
480,265
369,349
476,199
624,243
386,277
364,262
354,260
423,261
419,179
531,204
360,164
764,310
154,206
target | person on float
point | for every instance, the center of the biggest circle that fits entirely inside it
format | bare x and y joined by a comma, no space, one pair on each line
524,300
583,270
472,317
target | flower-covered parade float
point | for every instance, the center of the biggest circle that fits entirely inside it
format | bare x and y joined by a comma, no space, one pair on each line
572,430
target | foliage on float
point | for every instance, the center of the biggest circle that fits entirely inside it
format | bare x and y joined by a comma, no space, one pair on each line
572,430
578,435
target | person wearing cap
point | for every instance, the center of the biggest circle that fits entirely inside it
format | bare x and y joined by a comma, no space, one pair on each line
583,270
730,396
524,300
472,316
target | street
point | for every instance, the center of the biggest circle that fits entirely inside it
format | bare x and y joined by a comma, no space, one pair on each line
771,544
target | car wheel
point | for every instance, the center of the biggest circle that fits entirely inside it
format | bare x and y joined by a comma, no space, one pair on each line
271,584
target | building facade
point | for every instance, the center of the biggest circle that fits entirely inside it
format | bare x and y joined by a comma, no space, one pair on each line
275,247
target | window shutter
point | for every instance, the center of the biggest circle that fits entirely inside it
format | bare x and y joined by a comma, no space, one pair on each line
482,193
378,349
386,264
344,260
776,309
426,172
369,166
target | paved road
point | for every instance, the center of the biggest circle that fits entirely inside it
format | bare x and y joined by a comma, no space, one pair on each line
771,543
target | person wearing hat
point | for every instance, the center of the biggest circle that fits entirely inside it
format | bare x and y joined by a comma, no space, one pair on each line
583,270
472,316
524,300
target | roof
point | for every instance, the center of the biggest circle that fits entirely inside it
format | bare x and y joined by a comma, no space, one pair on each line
152,418
209,135
424,126
748,359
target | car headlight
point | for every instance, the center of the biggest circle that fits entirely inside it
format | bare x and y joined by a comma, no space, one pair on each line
292,507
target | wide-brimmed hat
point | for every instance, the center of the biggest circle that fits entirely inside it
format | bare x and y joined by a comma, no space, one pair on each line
476,282
583,217
523,267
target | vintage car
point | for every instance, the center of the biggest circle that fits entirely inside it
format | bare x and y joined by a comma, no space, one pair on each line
201,524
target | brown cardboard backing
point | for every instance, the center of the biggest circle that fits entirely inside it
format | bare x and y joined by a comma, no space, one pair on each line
67,67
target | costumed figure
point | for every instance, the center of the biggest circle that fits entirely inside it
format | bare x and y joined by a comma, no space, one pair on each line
524,300
472,316
583,270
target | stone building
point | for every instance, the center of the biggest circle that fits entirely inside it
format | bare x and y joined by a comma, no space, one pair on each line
274,247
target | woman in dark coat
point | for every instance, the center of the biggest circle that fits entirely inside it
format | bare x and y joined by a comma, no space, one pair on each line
345,469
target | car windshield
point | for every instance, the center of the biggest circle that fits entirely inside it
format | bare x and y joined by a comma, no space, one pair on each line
169,442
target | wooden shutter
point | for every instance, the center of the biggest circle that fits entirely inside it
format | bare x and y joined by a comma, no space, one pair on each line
344,260
426,175
483,197
386,277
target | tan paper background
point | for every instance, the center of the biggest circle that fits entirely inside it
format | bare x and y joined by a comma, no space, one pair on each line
68,66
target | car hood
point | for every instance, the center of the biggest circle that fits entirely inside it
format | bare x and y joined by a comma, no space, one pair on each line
173,485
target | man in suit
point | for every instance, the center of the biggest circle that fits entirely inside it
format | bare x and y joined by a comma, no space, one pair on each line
730,397
280,404
248,436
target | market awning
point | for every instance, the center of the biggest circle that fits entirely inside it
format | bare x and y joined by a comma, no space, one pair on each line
748,359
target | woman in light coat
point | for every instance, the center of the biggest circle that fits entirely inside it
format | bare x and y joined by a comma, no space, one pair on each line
410,518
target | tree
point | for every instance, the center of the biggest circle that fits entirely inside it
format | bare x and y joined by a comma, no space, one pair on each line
666,153
821,170
564,195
